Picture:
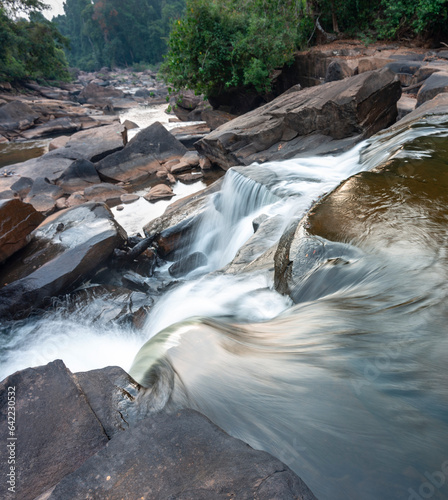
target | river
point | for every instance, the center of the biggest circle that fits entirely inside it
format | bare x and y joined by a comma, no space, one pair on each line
348,385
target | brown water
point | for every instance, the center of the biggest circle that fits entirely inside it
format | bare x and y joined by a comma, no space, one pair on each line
17,152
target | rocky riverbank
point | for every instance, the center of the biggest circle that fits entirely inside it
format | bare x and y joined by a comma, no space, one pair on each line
58,234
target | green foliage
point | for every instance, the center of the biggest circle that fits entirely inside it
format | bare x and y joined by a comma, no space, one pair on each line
222,44
31,49
116,33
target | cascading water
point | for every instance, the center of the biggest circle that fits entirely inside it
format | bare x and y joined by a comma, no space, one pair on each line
348,386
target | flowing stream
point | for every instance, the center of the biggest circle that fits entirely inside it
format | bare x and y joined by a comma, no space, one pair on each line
348,386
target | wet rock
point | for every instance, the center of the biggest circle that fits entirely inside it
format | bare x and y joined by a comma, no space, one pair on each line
16,115
80,175
142,157
177,224
159,192
65,249
187,264
17,221
43,195
56,427
135,282
105,192
190,458
435,84
327,118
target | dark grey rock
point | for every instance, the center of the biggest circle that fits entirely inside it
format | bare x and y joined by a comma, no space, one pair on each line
187,264
435,84
56,429
181,456
64,251
80,175
16,115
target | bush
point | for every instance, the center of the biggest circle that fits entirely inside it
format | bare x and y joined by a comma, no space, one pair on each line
218,44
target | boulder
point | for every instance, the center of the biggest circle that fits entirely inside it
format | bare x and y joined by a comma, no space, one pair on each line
214,118
96,144
142,157
43,195
105,192
98,95
187,264
435,84
189,457
79,175
65,249
56,428
16,115
372,63
159,192
23,186
190,177
328,118
17,221
338,70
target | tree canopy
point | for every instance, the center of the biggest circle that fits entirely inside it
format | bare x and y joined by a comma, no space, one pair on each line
31,48
219,44
116,33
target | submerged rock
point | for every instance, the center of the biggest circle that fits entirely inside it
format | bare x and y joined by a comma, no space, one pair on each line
322,119
65,249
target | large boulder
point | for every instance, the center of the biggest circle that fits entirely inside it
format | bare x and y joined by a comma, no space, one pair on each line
65,249
182,456
62,419
142,157
435,84
314,257
322,119
80,175
17,221
16,115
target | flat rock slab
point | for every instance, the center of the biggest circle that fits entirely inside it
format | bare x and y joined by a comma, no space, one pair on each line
322,119
65,249
17,221
56,429
182,456
142,157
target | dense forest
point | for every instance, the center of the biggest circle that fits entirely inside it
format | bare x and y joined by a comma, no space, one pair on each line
116,33
220,44
31,47
210,45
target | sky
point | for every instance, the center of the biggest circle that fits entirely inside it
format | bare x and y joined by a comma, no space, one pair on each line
55,8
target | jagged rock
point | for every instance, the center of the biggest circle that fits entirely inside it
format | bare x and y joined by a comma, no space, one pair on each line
16,115
142,157
328,118
159,192
187,264
80,175
56,428
17,221
190,458
435,84
65,249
